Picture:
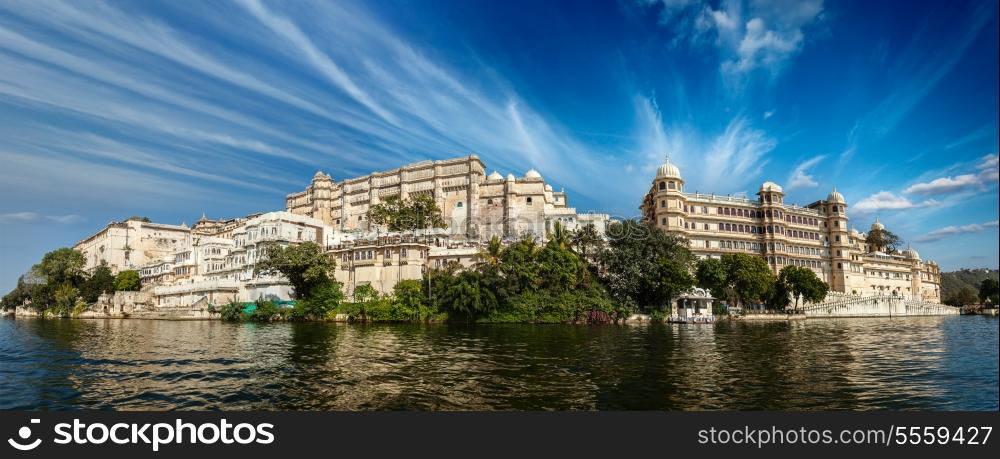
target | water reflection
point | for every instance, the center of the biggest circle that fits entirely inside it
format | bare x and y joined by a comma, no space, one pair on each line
848,364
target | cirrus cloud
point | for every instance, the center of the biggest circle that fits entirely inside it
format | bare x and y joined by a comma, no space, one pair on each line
953,230
985,177
887,200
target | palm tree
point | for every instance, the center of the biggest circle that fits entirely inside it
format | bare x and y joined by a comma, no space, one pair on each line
490,256
587,241
560,236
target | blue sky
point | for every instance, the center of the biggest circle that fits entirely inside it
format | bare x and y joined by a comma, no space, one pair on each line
110,109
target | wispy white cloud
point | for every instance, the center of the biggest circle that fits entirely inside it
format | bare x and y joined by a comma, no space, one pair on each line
723,161
748,35
918,72
984,132
954,230
287,30
887,200
800,177
65,219
18,217
985,177
33,216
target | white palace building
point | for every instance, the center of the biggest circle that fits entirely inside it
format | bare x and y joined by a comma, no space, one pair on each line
816,236
213,261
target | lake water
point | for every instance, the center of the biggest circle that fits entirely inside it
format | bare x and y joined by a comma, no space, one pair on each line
931,363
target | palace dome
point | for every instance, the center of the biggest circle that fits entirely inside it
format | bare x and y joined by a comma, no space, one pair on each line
771,186
836,197
878,225
668,170
532,174
548,187
510,177
495,176
910,253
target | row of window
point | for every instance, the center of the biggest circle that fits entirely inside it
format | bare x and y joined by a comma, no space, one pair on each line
370,254
888,275
796,262
736,227
800,220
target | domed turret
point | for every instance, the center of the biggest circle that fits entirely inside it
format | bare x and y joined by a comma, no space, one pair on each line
771,187
877,225
548,187
532,174
510,177
668,170
835,197
495,176
910,253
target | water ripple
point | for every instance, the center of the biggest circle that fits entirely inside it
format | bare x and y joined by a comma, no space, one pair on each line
941,363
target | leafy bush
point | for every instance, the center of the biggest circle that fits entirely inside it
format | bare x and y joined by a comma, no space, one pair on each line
323,299
266,311
231,312
127,280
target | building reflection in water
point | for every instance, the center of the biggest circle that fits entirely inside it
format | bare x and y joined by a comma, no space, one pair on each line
831,364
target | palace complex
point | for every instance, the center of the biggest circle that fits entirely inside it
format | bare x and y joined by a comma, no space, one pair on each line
213,261
816,236
473,204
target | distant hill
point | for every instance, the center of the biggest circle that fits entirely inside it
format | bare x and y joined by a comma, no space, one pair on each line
955,281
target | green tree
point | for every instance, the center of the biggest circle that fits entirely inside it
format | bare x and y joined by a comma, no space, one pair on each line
802,283
643,265
62,266
560,236
305,266
100,282
138,218
882,240
965,297
323,299
673,277
127,281
491,255
749,278
65,296
741,279
468,297
231,312
265,311
989,289
17,296
711,275
518,267
558,267
416,212
587,241
409,302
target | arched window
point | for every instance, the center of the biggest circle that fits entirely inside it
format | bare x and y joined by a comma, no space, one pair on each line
458,204
529,200
663,185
